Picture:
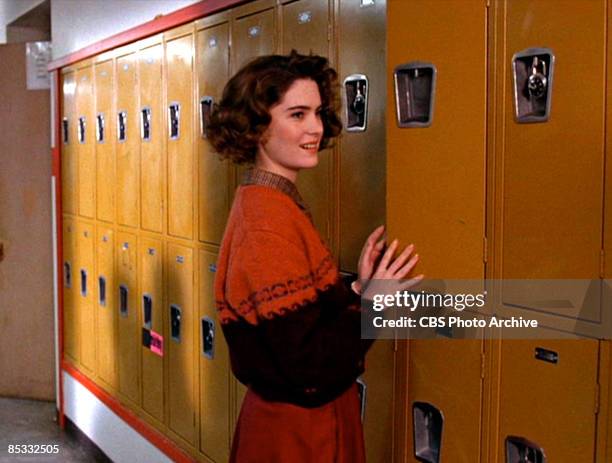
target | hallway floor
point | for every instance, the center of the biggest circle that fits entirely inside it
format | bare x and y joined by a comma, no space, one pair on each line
34,422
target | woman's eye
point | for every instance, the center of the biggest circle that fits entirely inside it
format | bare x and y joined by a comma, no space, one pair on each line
298,115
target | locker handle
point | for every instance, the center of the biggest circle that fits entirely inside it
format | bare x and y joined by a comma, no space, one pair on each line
81,129
356,92
83,282
100,128
174,117
415,91
206,107
123,300
520,450
122,125
65,131
546,355
175,322
67,275
428,423
102,290
147,310
362,390
145,123
208,338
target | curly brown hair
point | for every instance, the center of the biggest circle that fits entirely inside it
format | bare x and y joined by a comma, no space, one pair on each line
239,120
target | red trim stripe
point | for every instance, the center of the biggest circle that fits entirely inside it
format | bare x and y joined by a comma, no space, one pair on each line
144,429
155,26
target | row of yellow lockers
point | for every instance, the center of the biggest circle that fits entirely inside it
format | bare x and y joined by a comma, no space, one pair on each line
139,319
134,149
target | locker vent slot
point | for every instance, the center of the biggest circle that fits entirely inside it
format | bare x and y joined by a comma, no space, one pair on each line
356,91
83,282
67,275
520,450
123,300
81,129
145,123
208,338
427,425
100,128
65,130
174,118
206,107
121,126
415,91
147,310
175,322
102,290
362,390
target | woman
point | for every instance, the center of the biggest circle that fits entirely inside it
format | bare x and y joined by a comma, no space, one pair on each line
292,327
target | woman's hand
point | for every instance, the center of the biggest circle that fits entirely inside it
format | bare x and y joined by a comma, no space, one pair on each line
371,251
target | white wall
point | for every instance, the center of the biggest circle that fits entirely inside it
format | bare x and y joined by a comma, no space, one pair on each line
78,23
11,10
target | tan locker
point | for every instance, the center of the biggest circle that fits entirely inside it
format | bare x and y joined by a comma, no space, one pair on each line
85,141
305,29
253,33
179,135
151,122
215,371
104,136
106,317
151,323
85,295
551,221
127,308
362,147
181,344
548,400
69,143
212,63
436,174
127,142
71,287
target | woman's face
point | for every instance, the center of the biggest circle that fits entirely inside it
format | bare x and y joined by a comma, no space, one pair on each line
291,141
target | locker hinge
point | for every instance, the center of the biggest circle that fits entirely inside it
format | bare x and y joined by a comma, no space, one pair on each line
482,365
602,261
597,389
485,252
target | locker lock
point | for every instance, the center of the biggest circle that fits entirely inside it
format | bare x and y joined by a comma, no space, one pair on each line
147,311
65,131
175,322
208,338
81,129
174,120
520,450
121,126
356,91
536,83
145,123
100,128
532,71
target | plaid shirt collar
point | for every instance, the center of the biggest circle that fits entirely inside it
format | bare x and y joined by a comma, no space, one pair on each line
255,176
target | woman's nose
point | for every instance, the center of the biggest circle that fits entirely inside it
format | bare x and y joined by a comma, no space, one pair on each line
315,125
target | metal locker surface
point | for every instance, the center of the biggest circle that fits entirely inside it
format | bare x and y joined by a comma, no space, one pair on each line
181,345
436,175
361,50
305,29
151,306
85,141
127,308
253,33
215,370
70,285
127,142
212,64
106,316
68,144
103,125
544,399
179,105
152,144
84,273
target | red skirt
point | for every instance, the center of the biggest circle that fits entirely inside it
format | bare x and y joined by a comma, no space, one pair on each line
276,432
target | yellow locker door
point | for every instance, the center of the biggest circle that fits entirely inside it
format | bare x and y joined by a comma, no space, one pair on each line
212,63
179,106
305,29
181,342
551,220
127,307
127,142
69,143
215,371
152,131
253,33
71,286
151,306
86,291
105,141
85,140
106,333
548,398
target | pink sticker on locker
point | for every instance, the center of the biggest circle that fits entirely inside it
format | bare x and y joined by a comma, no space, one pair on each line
157,343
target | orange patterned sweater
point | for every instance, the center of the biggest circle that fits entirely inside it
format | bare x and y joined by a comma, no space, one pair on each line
292,326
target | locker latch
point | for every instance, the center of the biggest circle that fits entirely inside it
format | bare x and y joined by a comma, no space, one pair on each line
102,290
67,275
147,311
100,128
81,129
174,120
175,322
356,91
83,282
415,91
362,390
206,107
427,425
145,123
532,71
65,131
208,337
123,300
520,450
121,125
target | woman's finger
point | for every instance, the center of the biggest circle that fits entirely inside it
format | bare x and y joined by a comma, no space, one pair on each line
386,258
401,259
407,268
